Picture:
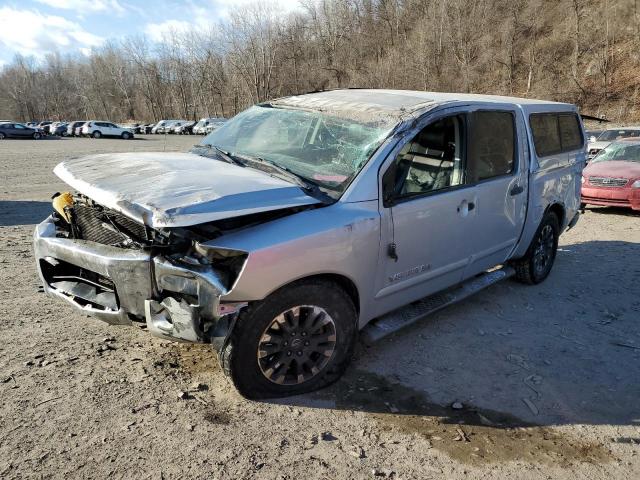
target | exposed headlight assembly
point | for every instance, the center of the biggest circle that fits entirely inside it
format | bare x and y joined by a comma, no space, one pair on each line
636,184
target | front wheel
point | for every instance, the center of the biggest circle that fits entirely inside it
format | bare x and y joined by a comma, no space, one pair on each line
126,135
36,135
297,340
536,265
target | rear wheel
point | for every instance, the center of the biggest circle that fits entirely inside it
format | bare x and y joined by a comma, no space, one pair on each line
297,340
536,265
96,134
2,136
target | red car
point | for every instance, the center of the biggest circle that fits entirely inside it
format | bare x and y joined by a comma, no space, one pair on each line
612,178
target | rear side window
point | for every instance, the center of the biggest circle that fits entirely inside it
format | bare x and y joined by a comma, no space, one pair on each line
555,133
546,135
570,132
491,145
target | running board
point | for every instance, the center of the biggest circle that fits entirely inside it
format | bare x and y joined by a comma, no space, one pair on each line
409,314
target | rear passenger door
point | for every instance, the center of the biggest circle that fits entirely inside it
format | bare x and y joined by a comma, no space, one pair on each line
8,130
496,166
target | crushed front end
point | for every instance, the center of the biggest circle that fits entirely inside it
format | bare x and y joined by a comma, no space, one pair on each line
123,272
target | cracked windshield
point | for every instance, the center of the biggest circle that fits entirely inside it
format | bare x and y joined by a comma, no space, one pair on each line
318,148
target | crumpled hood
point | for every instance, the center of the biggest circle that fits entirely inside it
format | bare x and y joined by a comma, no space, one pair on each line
177,189
614,168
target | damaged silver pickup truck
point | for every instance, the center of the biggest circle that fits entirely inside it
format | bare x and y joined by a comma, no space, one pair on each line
305,219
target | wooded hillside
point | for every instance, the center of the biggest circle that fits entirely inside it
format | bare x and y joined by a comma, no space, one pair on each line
581,51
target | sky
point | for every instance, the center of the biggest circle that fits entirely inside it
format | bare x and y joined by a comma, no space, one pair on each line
37,27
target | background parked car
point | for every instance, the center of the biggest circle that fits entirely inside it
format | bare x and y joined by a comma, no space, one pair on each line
612,178
44,126
162,126
71,127
77,131
134,127
592,135
146,129
97,129
59,129
200,127
609,136
172,128
214,125
185,128
18,130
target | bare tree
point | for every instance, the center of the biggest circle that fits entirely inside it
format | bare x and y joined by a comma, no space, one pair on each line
582,51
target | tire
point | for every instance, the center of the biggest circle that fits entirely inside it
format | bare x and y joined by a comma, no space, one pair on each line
536,265
125,135
36,135
3,136
326,312
96,134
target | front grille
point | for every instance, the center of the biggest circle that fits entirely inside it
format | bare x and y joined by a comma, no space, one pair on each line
608,182
106,226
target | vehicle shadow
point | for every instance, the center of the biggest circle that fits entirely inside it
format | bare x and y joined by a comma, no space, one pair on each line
23,212
566,351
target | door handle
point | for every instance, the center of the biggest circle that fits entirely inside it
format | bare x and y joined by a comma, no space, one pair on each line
516,190
469,206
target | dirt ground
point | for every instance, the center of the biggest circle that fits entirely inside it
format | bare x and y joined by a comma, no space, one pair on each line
548,377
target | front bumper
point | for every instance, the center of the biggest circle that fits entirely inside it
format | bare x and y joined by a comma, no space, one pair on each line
122,287
611,196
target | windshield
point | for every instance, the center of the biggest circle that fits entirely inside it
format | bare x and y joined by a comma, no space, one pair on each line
326,150
610,135
620,152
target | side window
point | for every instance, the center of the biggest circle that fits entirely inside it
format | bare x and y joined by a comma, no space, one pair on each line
19,127
432,160
492,145
546,136
570,132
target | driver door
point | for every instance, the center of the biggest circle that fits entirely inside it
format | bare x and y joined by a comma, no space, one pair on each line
427,210
21,131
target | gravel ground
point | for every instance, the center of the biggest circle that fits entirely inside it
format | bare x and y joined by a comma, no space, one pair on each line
548,377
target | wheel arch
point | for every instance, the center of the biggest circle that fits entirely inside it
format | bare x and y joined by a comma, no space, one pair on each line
342,281
559,210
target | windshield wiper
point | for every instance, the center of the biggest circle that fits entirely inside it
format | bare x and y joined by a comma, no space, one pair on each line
226,156
303,182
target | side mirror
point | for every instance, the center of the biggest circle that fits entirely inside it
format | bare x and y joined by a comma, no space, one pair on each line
592,138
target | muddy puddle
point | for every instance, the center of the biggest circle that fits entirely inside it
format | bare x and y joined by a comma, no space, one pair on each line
470,435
